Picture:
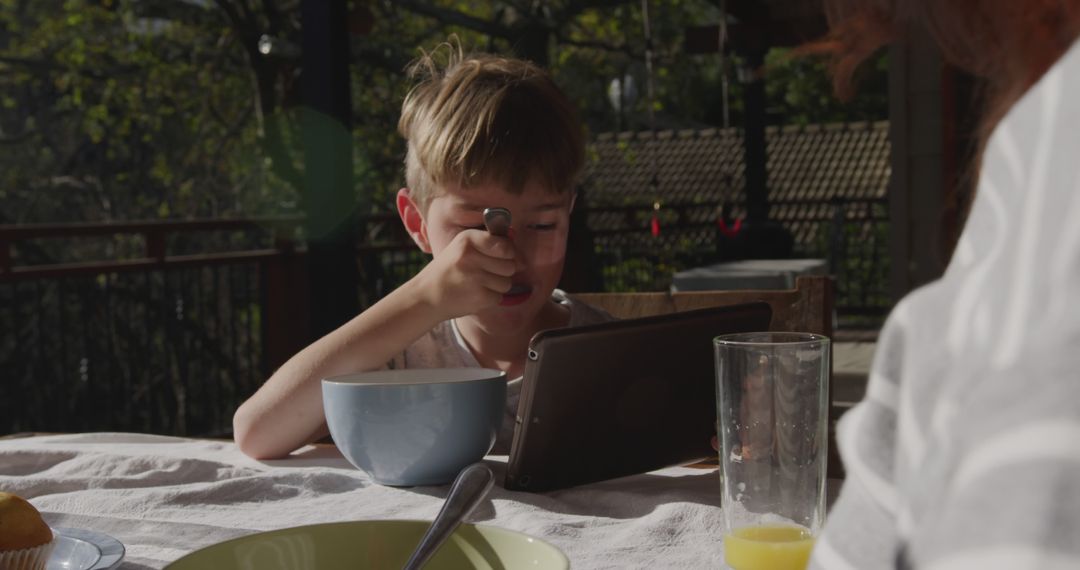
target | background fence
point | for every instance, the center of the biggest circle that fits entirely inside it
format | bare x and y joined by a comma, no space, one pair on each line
852,235
158,351
185,319
155,338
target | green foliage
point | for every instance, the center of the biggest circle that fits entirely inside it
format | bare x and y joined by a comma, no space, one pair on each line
858,253
800,91
134,109
124,116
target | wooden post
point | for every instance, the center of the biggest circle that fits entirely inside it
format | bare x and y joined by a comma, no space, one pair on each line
580,272
5,256
329,200
285,326
916,189
754,149
155,244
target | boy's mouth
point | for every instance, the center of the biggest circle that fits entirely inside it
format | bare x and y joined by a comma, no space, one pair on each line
518,294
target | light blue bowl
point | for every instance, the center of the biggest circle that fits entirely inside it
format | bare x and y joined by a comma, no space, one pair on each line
415,426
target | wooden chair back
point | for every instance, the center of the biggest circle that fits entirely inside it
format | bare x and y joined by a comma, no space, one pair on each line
806,308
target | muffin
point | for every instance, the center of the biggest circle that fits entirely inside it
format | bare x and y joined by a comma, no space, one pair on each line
25,539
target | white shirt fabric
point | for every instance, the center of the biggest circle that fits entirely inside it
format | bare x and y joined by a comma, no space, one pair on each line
443,347
965,453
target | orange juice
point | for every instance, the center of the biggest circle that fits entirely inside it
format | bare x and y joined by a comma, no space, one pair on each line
768,547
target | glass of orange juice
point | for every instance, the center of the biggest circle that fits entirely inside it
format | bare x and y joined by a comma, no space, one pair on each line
772,393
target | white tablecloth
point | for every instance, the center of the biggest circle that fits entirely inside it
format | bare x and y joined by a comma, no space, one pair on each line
164,497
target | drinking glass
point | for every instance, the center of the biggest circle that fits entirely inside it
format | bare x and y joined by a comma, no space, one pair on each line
772,406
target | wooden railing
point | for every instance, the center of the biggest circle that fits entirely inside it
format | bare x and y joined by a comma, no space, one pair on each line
151,341
160,334
153,234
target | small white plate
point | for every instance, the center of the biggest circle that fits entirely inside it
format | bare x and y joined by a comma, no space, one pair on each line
80,549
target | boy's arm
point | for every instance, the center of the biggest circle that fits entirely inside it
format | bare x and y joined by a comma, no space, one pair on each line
287,411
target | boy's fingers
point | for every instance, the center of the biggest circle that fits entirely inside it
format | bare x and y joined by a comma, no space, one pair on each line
495,246
496,283
492,297
501,267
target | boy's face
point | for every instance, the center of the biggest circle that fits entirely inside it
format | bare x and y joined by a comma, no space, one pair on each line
540,222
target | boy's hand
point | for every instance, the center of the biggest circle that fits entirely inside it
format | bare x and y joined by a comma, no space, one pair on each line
469,275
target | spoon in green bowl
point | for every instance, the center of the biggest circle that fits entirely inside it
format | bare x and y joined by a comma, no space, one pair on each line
469,488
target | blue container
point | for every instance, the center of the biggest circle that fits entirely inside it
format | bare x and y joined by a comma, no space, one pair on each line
415,426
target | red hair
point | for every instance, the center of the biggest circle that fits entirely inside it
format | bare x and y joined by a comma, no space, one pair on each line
1007,43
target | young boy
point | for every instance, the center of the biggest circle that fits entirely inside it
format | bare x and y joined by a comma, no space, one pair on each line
482,132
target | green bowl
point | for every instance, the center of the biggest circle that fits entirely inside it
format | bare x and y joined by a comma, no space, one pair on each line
375,545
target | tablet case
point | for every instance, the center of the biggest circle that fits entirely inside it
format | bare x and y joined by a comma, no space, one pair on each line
619,398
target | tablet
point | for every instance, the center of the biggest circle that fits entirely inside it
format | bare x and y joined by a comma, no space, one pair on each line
618,398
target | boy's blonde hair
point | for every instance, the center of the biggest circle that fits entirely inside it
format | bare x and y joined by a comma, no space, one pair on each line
482,119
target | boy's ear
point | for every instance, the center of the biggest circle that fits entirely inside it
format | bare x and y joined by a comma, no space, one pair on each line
413,220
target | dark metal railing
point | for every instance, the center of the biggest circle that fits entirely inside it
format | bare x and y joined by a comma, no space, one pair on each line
178,322
156,341
852,235
858,253
167,350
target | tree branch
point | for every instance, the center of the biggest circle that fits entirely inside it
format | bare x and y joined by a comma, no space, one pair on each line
588,44
456,18
246,30
219,152
247,12
274,146
377,56
174,10
30,63
274,17
16,139
573,9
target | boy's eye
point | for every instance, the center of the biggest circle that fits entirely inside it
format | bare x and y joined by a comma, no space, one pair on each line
542,227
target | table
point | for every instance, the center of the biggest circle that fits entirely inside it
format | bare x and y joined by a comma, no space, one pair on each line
164,497
770,274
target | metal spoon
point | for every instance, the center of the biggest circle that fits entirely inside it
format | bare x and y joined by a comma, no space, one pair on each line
471,485
497,221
